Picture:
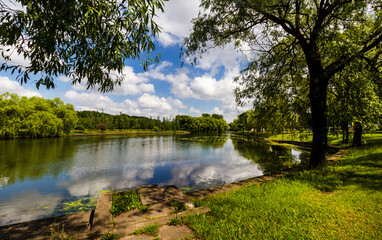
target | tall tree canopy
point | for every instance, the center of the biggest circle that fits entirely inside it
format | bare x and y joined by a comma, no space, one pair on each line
83,39
318,37
34,117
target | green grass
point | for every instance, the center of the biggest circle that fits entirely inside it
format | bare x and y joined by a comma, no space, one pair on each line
57,234
126,201
338,201
334,138
179,206
151,230
174,222
110,236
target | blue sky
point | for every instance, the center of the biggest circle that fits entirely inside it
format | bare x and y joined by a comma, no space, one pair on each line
166,89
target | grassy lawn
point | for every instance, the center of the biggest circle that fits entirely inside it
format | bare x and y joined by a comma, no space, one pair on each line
339,201
333,138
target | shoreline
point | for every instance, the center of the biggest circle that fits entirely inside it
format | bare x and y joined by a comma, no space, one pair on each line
179,132
129,133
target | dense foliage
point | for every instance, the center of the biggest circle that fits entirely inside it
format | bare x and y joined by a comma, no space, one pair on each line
38,117
205,123
34,117
90,120
296,48
85,39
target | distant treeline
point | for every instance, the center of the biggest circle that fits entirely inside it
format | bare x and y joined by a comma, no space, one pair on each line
34,117
205,123
90,120
38,117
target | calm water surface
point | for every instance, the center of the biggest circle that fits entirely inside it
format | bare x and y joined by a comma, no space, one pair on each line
38,176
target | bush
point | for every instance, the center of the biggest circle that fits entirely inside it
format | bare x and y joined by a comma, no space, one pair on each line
80,128
126,201
102,126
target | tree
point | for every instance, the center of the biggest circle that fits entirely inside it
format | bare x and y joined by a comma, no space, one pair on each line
34,117
206,124
217,116
85,39
329,34
44,124
102,126
353,98
66,113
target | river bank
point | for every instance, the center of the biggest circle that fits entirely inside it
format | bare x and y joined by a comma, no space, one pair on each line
124,132
342,200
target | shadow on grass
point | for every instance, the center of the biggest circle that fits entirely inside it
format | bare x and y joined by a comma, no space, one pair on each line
363,171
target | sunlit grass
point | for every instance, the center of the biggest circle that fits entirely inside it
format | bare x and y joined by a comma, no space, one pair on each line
126,201
334,138
151,230
339,201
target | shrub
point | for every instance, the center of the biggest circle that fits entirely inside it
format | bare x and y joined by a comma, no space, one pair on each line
126,201
102,126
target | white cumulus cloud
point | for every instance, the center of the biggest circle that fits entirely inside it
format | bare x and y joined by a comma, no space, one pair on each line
7,85
176,20
195,112
146,105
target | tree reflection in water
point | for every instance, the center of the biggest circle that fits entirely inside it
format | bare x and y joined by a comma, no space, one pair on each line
270,157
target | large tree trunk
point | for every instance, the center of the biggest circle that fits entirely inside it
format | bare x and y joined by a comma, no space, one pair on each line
317,96
318,84
357,138
345,132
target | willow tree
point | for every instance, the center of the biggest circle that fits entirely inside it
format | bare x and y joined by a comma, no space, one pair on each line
330,34
86,40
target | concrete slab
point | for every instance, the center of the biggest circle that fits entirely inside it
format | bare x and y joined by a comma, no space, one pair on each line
124,228
137,237
102,216
157,210
151,194
174,232
173,193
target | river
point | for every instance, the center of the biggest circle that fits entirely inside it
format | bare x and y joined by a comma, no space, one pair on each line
40,177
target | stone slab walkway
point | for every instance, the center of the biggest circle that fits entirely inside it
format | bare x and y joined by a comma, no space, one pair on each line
160,211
